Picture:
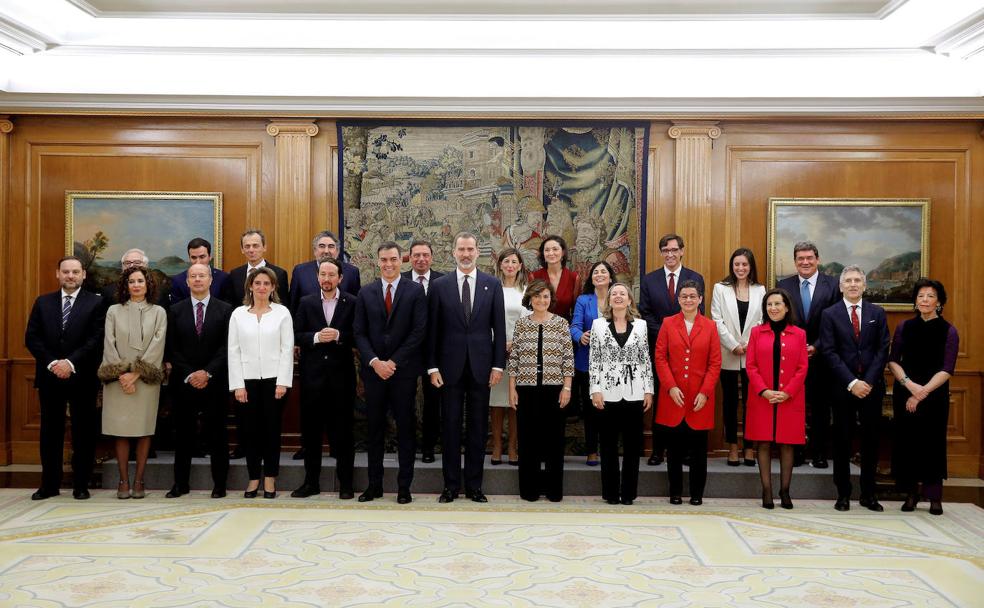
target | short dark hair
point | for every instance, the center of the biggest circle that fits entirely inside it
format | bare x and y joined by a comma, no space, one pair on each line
805,246
389,245
666,238
123,291
731,279
937,287
535,288
560,241
250,231
330,260
197,242
422,243
790,317
70,257
589,284
690,284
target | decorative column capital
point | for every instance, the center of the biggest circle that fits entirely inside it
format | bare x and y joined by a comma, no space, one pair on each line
292,127
6,126
695,129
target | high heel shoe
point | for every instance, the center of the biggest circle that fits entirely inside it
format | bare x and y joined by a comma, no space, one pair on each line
767,502
935,507
495,461
784,500
270,493
120,492
138,491
910,503
252,493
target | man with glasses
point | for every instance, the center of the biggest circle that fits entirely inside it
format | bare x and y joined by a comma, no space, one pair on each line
658,300
304,277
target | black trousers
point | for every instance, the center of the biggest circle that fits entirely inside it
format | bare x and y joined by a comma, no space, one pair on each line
683,440
396,395
847,413
659,438
819,397
186,403
590,415
327,406
730,392
541,425
620,419
261,428
465,401
82,407
430,415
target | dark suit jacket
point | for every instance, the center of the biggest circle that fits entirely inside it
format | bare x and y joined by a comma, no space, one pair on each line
81,342
318,361
188,352
655,301
825,294
398,337
451,340
844,356
236,285
304,282
179,285
434,276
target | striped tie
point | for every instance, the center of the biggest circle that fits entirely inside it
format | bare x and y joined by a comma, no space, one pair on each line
66,309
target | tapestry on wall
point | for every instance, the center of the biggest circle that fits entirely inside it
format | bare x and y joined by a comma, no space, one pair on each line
510,184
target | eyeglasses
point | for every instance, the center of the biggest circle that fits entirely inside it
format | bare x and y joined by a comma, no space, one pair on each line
668,251
689,297
131,263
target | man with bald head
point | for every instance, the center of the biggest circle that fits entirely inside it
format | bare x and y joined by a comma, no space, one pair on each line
197,347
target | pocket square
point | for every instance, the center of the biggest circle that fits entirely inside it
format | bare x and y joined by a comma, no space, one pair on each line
871,321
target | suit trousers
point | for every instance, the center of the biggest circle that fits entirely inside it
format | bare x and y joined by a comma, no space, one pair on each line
261,427
590,415
620,418
465,401
430,415
328,404
396,395
847,413
82,408
186,402
684,440
729,390
818,396
540,423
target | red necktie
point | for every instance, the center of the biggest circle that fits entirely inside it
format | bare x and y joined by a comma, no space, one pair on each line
389,298
856,322
672,287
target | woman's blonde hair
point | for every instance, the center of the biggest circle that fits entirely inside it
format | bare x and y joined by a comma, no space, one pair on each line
631,313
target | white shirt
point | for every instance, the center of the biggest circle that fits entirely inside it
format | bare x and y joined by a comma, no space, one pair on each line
65,294
194,309
427,279
812,281
395,282
261,349
251,267
849,307
472,278
676,276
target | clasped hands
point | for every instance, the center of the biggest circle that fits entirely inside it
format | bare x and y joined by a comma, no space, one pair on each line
128,382
598,400
775,396
677,396
917,393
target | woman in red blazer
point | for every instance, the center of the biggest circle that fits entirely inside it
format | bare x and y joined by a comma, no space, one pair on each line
777,362
688,362
553,269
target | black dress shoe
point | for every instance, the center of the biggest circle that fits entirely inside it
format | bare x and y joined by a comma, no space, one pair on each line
935,507
403,497
427,457
82,494
676,500
476,495
819,463
748,462
346,494
236,453
270,495
843,504
734,463
612,501
298,455
626,501
176,491
305,490
251,493
370,494
495,461
910,503
447,496
696,501
218,492
41,494
871,504
655,460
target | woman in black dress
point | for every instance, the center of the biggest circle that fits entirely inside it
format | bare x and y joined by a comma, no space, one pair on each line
924,354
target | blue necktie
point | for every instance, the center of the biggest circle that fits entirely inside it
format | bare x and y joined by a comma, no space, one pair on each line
67,308
805,296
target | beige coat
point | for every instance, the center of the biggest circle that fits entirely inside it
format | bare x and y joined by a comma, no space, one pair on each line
134,342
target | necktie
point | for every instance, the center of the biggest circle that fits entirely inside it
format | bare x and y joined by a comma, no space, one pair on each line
422,281
389,298
199,318
466,303
67,308
671,287
805,297
856,322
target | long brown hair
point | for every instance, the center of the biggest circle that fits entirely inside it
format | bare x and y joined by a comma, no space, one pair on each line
123,288
248,295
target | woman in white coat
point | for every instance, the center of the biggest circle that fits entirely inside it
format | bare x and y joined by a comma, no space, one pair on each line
736,308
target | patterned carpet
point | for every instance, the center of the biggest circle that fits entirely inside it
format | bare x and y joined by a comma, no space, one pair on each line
195,551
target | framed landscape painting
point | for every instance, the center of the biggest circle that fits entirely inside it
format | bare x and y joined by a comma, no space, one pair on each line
100,226
887,238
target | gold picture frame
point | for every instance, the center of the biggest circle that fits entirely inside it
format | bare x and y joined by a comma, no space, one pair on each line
894,233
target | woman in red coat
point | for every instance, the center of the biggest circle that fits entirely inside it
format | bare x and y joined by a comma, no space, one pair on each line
777,362
553,268
688,362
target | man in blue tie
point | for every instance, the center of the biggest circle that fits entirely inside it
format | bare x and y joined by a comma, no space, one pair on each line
811,292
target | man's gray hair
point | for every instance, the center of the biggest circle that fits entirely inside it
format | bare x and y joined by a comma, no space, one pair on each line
323,234
853,268
464,234
146,260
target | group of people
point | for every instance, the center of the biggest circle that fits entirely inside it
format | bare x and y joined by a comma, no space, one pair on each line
525,345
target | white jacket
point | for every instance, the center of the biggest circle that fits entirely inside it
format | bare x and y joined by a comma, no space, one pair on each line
620,372
263,349
724,311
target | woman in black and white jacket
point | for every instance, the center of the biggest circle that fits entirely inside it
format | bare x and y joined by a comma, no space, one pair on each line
621,378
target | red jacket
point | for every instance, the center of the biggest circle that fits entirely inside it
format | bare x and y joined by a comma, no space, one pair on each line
789,416
691,363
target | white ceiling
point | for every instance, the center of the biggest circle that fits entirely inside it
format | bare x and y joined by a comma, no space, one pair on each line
622,57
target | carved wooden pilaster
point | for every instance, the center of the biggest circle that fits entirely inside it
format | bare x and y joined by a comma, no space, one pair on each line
293,192
6,126
693,189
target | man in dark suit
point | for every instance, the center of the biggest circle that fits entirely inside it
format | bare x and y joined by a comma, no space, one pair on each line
658,300
197,348
65,335
421,257
199,252
812,292
304,279
854,343
390,322
466,337
323,332
253,246
132,258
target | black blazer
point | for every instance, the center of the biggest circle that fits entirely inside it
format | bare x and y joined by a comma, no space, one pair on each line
236,285
179,285
826,293
318,361
655,301
434,276
844,356
398,337
188,352
304,282
81,342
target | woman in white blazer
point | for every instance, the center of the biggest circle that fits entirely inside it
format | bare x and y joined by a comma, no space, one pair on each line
620,374
736,307
261,368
